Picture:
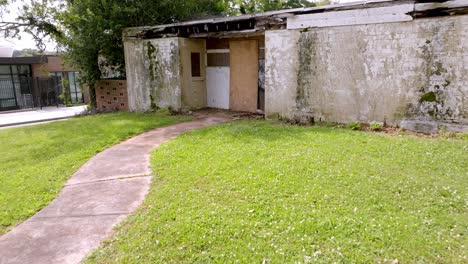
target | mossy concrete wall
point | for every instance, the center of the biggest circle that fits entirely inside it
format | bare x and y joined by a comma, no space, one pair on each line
391,72
153,74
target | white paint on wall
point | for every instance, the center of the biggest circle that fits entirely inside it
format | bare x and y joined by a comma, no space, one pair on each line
376,15
218,87
379,72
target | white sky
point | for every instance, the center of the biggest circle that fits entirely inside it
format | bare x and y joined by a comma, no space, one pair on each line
26,41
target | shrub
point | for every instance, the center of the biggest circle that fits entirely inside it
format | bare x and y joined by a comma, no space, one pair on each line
376,126
355,125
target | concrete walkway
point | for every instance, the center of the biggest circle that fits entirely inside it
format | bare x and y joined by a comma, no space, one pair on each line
39,115
109,187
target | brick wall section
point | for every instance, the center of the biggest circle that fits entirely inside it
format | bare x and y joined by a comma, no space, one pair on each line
54,64
111,95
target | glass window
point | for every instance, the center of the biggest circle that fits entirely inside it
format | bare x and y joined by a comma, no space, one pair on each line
77,80
196,65
24,69
71,79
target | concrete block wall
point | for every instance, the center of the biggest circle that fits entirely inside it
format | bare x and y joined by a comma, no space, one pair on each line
111,95
153,74
391,72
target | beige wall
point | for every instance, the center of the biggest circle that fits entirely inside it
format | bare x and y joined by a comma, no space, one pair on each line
193,88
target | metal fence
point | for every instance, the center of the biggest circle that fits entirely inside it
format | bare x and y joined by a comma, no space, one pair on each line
23,92
49,90
16,93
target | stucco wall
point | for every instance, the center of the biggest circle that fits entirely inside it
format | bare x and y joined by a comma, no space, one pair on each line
193,88
153,74
385,72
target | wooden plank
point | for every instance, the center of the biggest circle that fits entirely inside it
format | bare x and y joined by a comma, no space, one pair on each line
376,15
243,75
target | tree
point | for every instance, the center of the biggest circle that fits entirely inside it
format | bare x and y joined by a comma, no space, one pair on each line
27,53
36,18
93,28
255,6
87,30
90,29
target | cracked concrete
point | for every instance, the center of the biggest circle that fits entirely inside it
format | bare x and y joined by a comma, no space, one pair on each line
104,191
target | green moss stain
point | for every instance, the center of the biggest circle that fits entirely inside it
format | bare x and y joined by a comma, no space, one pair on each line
153,54
429,97
436,82
306,69
163,74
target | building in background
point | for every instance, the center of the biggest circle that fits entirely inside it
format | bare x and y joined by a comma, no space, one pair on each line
29,82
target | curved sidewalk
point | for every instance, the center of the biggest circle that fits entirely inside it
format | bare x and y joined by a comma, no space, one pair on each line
105,190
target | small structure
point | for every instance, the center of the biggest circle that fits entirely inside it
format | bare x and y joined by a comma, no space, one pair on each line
28,82
399,62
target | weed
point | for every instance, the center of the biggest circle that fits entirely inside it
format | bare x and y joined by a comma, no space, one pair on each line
376,126
354,125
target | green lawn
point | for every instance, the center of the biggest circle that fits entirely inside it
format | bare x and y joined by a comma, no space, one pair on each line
263,192
35,161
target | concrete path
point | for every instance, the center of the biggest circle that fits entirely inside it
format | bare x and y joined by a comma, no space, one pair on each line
34,116
109,187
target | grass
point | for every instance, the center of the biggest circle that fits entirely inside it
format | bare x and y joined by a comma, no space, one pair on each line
35,161
263,192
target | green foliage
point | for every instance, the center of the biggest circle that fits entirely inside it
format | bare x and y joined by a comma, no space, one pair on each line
35,161
356,125
263,192
87,30
429,97
27,53
94,28
255,6
323,2
65,96
376,126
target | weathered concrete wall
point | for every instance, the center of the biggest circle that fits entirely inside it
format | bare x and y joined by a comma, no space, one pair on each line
392,72
153,74
137,76
163,65
281,68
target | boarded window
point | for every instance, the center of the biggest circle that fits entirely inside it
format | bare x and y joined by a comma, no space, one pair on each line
196,65
218,59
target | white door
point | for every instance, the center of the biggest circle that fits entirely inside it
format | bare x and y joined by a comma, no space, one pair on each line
217,79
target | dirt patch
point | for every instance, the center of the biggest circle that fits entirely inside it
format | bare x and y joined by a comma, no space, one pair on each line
235,115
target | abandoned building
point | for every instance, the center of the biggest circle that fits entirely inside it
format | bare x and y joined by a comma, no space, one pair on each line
404,63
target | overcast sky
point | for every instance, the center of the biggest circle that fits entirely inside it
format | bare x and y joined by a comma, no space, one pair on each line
26,40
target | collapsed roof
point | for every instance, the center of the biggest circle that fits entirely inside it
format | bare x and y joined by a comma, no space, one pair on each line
362,12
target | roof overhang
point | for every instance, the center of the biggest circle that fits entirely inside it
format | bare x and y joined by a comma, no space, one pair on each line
24,60
259,23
